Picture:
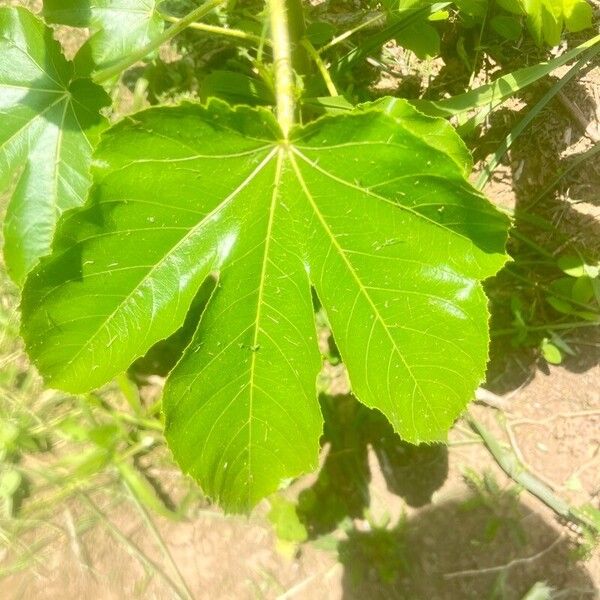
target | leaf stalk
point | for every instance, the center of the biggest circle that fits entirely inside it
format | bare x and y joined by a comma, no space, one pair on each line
231,32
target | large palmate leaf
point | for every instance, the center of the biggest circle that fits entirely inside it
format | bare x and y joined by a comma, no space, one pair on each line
372,210
49,123
119,27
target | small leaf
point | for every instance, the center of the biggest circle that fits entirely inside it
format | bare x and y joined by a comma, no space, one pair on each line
550,352
49,124
473,8
284,519
365,208
320,32
560,305
583,290
422,38
119,27
572,265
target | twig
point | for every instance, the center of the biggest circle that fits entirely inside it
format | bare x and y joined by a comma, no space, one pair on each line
575,112
508,565
76,546
302,584
509,463
486,397
561,415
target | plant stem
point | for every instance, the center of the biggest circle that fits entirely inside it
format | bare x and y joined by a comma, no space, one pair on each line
510,464
216,30
340,38
282,64
550,327
114,70
321,66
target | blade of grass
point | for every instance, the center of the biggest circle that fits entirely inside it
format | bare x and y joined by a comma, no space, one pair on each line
350,32
159,539
502,88
572,165
405,19
495,159
321,66
131,548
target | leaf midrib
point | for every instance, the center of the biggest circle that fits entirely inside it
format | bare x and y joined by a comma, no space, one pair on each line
259,305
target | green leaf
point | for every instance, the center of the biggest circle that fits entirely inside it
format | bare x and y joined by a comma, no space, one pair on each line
49,123
436,132
320,32
285,520
119,27
551,352
422,38
578,14
575,266
508,27
381,222
473,8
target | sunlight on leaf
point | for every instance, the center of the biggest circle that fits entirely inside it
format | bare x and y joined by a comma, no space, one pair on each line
365,208
49,123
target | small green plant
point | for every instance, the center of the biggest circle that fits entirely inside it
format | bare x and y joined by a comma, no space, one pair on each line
112,232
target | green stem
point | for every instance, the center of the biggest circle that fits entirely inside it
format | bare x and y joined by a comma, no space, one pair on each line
511,465
344,36
216,30
114,70
321,66
282,64
550,327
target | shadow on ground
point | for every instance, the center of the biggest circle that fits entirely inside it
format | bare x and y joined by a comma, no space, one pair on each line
487,545
341,491
553,217
468,550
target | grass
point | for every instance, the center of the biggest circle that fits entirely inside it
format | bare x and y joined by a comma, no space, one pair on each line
68,463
